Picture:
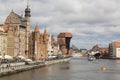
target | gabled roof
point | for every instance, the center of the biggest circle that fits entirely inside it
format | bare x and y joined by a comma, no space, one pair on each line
13,18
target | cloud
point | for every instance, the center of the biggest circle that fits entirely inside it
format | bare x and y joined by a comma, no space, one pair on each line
93,21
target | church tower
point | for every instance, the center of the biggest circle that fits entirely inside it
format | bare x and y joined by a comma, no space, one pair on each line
27,24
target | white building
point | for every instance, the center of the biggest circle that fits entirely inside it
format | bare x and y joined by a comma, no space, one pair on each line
49,46
114,49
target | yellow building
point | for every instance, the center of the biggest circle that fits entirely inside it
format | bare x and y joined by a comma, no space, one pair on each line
3,41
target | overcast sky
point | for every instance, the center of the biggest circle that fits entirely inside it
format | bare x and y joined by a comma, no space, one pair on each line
90,21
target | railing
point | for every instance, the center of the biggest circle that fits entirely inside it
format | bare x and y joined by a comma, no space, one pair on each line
24,65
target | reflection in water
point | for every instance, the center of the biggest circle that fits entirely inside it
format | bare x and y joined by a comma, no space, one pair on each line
76,69
65,68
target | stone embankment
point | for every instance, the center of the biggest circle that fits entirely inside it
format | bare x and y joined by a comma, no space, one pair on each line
12,68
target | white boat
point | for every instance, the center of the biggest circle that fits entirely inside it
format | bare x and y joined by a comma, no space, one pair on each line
76,55
91,58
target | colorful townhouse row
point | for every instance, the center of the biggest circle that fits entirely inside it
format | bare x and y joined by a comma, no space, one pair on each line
17,38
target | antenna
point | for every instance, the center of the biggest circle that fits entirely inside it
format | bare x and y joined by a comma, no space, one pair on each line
28,3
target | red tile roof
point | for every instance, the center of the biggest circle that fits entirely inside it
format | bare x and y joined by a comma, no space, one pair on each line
117,44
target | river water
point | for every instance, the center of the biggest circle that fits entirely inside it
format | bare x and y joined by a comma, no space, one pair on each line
76,69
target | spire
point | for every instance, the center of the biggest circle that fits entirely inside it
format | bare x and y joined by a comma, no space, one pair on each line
36,29
13,18
45,36
45,31
27,10
27,3
12,10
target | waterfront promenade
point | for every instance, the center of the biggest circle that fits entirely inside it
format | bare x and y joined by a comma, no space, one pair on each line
75,69
10,68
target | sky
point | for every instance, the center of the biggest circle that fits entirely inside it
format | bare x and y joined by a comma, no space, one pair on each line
90,21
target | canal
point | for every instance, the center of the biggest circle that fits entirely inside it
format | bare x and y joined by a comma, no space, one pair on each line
76,69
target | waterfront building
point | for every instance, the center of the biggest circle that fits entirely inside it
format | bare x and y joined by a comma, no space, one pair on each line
104,52
95,48
40,45
114,49
64,42
83,50
45,42
33,45
56,48
49,45
18,33
3,40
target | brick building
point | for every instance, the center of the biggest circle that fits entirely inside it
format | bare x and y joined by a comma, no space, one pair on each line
103,51
18,33
40,44
64,42
20,41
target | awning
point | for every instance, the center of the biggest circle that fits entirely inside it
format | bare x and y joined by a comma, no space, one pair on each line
1,57
8,57
21,57
28,60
